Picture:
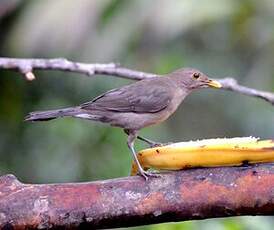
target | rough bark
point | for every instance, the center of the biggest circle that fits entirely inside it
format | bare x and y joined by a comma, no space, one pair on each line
175,196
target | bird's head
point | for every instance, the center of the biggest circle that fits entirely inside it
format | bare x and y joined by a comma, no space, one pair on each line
194,79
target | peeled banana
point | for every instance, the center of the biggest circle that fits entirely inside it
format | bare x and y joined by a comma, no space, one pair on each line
206,153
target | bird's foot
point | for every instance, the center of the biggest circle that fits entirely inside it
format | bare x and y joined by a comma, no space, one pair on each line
158,144
146,174
152,144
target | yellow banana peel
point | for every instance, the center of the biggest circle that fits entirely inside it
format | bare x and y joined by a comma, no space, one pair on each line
206,153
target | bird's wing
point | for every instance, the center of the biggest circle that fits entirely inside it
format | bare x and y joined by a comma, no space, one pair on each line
140,97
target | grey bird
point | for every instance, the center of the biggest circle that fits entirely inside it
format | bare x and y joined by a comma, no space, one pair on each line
135,106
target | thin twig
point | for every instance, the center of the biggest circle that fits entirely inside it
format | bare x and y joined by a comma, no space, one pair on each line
232,85
26,67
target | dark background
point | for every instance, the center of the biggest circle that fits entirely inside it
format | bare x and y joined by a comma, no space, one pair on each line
221,38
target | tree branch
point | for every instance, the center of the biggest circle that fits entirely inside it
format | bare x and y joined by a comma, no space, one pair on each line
232,85
175,196
26,67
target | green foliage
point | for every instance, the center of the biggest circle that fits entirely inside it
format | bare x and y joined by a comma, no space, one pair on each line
222,38
110,10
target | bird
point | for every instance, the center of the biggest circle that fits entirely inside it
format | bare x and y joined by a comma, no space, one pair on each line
137,105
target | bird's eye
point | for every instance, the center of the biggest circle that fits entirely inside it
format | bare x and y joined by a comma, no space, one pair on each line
196,75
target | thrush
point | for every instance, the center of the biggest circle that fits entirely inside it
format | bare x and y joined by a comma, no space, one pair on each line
135,106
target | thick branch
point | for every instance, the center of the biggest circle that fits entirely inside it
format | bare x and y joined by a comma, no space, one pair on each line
26,67
176,196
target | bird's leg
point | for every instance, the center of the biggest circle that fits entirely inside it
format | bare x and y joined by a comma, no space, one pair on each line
130,142
148,141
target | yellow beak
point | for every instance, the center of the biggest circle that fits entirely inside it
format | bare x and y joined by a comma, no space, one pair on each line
214,84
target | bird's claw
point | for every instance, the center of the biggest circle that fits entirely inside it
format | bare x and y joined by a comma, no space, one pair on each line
146,174
158,144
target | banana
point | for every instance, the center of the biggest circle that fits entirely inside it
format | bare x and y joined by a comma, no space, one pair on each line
206,153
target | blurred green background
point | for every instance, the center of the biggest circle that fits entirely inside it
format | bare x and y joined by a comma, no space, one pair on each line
220,37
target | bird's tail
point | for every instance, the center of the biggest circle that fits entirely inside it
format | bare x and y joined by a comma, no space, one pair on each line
51,114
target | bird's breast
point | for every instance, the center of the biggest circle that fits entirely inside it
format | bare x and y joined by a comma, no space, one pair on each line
176,101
